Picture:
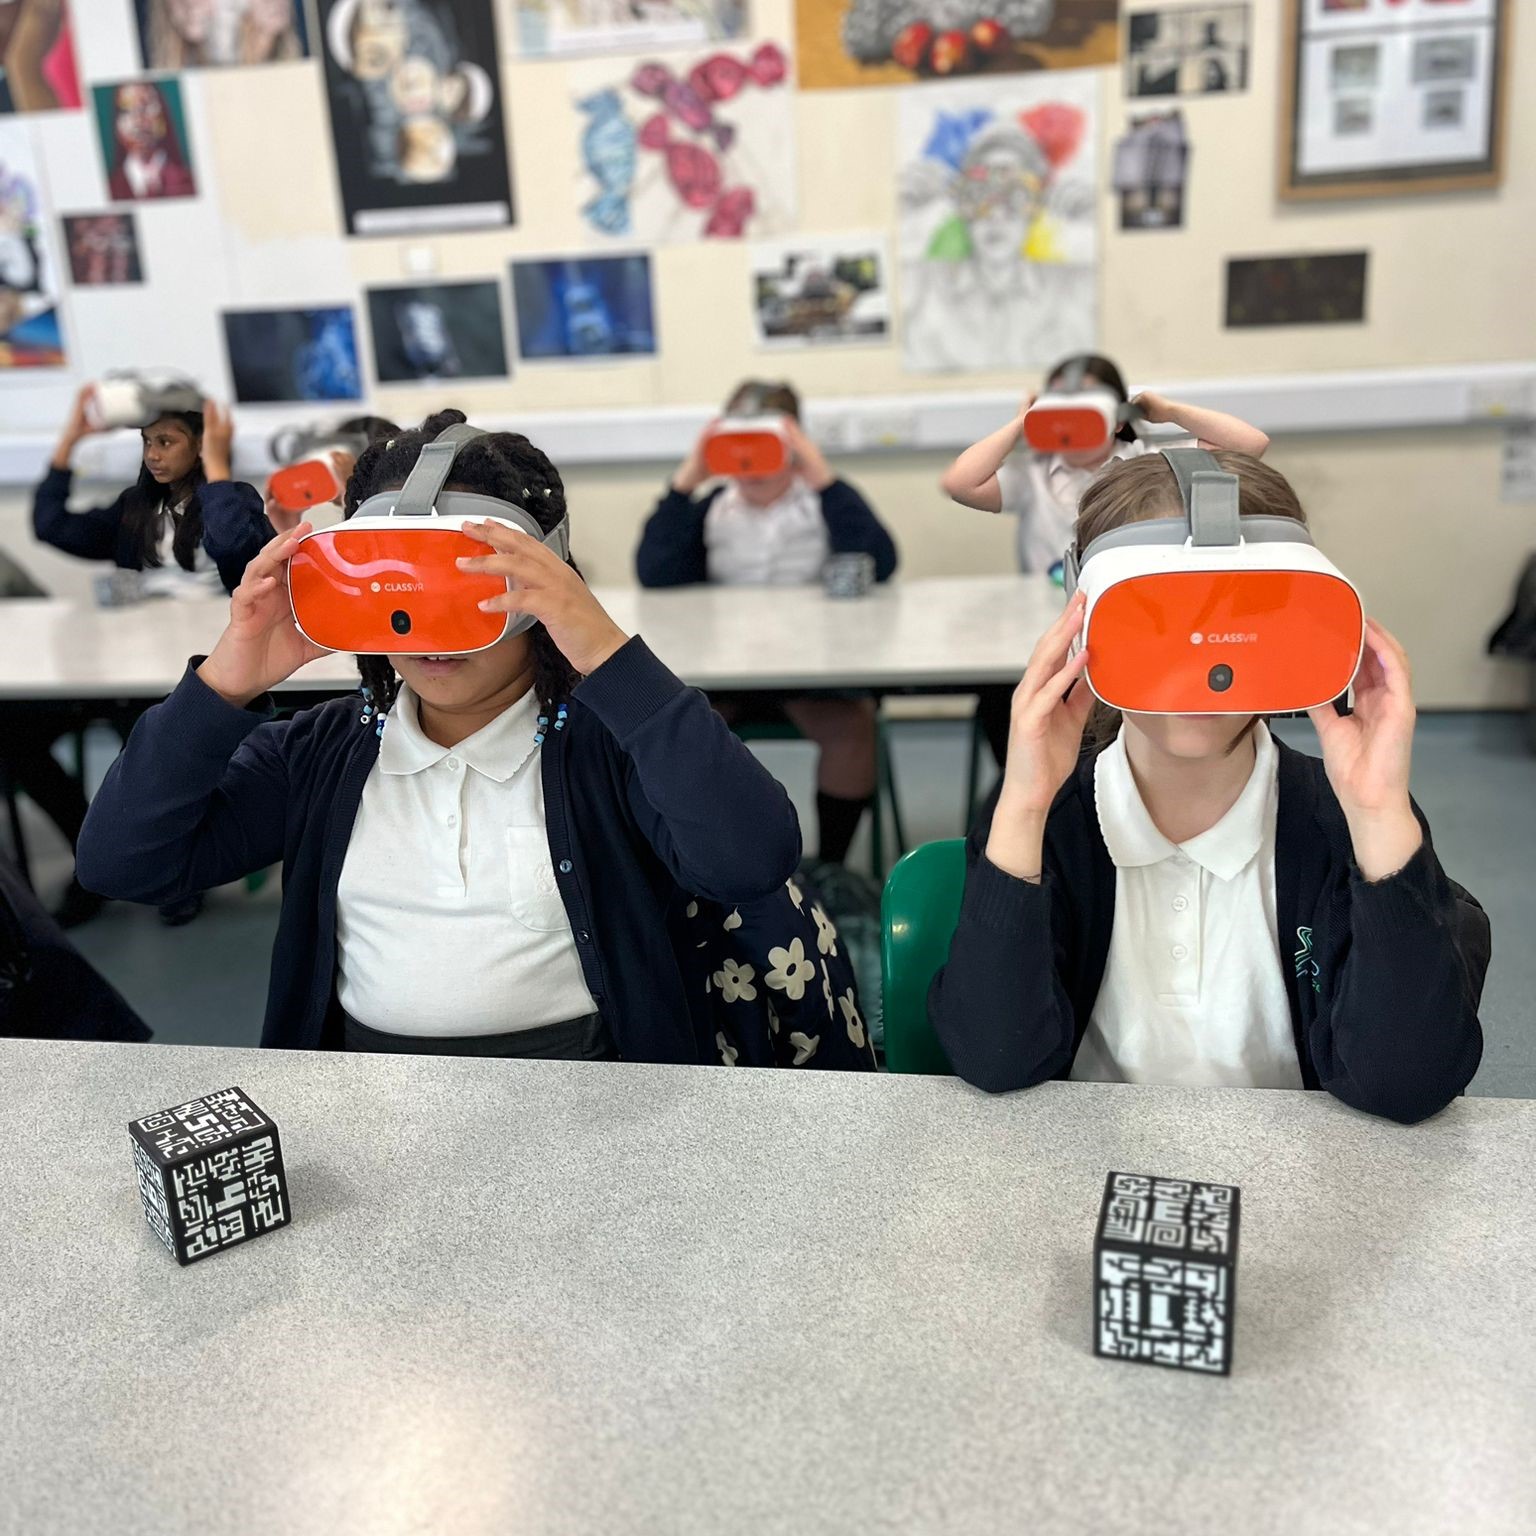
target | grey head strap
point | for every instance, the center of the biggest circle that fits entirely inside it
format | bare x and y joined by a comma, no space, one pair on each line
418,496
1209,495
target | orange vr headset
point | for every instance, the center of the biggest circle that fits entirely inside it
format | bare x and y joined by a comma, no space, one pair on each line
746,445
1073,419
1212,614
309,476
385,582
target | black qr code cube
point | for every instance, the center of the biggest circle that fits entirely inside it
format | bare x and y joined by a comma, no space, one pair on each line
210,1173
1165,1272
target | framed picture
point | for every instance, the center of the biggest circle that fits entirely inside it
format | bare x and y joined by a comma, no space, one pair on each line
1384,98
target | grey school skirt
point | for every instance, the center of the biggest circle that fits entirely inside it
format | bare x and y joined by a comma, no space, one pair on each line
580,1040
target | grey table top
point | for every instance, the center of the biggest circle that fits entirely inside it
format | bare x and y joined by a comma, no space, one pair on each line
547,1297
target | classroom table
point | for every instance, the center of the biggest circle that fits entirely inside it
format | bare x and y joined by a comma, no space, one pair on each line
544,1297
946,633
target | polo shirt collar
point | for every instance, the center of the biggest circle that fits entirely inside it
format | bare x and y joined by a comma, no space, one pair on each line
496,750
1132,837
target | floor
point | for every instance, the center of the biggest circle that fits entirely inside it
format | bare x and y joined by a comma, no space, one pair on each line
1475,776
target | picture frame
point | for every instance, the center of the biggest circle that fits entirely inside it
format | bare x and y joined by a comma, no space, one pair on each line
1397,99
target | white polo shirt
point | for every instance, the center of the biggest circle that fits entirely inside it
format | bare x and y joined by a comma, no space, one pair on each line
1042,491
1194,990
783,544
448,918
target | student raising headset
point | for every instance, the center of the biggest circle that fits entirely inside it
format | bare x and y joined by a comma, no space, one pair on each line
184,520
495,856
1192,902
1002,473
778,530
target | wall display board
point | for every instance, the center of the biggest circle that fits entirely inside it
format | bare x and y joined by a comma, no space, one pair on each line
1385,97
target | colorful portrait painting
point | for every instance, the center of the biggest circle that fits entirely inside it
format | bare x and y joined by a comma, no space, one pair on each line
143,133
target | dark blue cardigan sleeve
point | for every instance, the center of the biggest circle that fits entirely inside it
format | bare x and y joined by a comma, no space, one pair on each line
235,527
91,534
853,528
198,798
671,552
715,816
1397,1033
999,1005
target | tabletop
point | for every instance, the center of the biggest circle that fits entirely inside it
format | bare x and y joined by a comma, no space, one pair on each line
955,632
554,1297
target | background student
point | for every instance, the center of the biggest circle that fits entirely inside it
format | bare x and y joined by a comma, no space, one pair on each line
1002,473
1192,902
779,530
496,855
185,517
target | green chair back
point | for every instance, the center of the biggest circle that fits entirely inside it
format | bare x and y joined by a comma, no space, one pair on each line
919,911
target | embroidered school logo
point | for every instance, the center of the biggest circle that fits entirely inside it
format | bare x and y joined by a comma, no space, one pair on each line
1306,965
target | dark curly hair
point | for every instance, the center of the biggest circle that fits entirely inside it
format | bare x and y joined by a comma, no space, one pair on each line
501,464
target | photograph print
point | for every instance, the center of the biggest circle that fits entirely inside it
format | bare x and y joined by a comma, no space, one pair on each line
416,114
818,289
282,355
143,133
584,307
556,28
206,34
103,249
1187,51
38,72
30,332
428,332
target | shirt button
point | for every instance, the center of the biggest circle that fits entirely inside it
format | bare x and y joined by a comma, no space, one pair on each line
453,821
1180,903
1179,951
583,937
453,763
565,866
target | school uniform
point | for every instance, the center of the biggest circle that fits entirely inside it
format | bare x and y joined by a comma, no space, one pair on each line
1132,960
718,537
235,529
597,843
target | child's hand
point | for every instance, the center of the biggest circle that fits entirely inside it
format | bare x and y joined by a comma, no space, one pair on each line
77,427
1153,408
545,586
691,473
1024,410
281,519
1044,740
261,645
218,440
1367,755
806,455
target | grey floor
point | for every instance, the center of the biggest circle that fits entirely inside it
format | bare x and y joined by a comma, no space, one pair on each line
1475,776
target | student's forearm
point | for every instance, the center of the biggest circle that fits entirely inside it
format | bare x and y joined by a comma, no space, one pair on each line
1218,428
1016,843
64,451
967,479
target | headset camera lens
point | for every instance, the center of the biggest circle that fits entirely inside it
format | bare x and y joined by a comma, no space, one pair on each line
1220,678
400,622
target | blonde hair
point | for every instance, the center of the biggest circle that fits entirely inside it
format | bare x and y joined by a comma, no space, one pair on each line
1136,490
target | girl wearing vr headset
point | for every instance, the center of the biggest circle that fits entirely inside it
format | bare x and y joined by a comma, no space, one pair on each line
1192,902
507,852
185,519
1002,473
778,529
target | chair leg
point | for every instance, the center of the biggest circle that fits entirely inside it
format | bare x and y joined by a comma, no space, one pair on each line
972,773
877,836
18,837
888,786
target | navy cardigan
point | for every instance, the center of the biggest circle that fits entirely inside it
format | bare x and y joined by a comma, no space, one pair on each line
1387,973
647,795
235,525
672,552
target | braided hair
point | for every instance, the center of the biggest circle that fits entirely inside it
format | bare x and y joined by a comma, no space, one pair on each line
501,464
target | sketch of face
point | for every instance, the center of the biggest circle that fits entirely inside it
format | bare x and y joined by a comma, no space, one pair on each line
1001,191
192,19
379,38
414,86
427,150
141,124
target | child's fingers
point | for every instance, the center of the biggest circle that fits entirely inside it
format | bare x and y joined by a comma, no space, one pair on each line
1053,645
1054,689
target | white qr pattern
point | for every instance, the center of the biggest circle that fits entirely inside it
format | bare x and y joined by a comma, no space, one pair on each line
201,1123
228,1195
1169,1213
1166,1311
152,1194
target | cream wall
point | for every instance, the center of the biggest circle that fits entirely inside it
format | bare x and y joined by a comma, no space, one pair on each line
1417,517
